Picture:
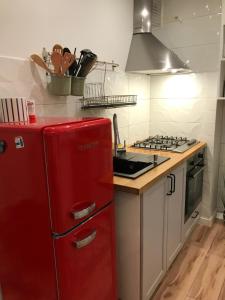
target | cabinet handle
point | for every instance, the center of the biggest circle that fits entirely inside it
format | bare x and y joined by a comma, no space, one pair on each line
196,214
171,182
174,183
84,212
86,241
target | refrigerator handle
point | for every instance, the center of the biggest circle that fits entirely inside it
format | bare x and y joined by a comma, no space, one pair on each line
84,212
86,241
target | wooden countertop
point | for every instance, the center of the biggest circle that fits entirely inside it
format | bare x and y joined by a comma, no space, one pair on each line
138,185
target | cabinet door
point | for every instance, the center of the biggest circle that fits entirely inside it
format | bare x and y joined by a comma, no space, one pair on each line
153,263
175,214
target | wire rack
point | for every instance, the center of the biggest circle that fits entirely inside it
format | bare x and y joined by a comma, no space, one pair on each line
94,96
108,101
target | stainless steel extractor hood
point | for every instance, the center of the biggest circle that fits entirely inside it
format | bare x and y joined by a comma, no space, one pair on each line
147,54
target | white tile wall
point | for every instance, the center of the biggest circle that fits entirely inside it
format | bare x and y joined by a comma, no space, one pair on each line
20,77
189,9
185,105
195,37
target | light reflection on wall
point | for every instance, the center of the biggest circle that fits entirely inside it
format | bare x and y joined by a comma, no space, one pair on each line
178,87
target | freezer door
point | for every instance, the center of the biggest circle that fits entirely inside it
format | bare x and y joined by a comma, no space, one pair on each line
85,259
79,167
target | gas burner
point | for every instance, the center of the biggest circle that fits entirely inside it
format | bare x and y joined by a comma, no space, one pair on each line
167,143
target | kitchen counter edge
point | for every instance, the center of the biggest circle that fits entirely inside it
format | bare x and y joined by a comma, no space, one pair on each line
140,184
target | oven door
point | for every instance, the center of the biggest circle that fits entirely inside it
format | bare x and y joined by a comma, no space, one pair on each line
194,185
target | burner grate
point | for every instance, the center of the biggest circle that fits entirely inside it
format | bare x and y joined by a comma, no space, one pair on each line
167,143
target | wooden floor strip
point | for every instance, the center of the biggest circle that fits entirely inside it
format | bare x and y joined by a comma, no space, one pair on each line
222,292
180,277
218,245
199,236
198,272
209,281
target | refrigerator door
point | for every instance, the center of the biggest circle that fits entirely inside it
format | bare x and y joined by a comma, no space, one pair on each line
27,267
79,170
85,259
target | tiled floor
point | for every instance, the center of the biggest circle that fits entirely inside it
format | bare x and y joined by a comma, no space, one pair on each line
199,270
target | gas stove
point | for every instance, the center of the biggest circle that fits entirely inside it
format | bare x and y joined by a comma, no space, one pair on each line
167,143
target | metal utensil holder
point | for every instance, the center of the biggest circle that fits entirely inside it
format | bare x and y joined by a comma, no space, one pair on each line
94,95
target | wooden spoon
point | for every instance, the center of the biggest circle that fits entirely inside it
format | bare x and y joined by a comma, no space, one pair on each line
39,61
57,48
67,61
56,59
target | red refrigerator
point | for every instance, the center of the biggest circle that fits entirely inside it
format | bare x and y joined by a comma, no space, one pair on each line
57,231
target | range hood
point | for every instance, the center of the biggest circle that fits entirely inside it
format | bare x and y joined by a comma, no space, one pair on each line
147,54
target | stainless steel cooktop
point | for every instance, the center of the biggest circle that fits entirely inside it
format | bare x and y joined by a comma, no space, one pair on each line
167,143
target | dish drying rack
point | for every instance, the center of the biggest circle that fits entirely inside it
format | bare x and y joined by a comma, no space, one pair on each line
94,93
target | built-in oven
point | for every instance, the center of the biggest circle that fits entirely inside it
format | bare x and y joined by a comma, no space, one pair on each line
194,184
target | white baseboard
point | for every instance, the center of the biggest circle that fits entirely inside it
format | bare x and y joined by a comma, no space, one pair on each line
219,216
208,221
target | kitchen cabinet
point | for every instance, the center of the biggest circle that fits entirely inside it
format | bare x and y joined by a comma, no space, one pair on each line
175,214
149,230
153,226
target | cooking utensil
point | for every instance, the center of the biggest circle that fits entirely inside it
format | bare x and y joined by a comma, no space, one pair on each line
65,49
39,61
82,53
67,60
45,55
86,64
72,69
118,147
57,48
56,59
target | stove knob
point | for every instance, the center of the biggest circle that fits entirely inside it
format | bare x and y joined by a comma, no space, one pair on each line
2,146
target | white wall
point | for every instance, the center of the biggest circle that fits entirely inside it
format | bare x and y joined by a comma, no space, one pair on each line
103,26
195,36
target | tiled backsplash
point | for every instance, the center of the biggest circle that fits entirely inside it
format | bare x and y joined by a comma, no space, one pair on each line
19,77
185,105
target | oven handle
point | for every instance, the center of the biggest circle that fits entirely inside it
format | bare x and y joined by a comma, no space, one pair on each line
197,173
